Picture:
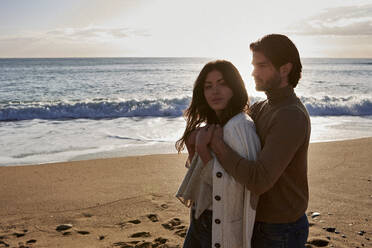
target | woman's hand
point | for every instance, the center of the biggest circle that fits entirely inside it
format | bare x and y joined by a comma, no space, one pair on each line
203,138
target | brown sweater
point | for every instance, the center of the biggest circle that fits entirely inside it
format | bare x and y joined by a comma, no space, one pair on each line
279,175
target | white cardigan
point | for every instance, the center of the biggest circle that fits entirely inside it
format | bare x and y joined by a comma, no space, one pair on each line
233,214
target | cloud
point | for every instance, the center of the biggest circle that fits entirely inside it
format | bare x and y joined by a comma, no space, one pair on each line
92,41
341,21
97,33
79,35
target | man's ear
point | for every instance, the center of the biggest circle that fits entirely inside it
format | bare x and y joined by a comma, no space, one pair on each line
285,69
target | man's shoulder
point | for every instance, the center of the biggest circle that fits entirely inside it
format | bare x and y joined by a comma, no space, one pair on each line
295,108
257,104
256,108
292,112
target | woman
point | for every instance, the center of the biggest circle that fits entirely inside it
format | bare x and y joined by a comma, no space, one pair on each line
222,214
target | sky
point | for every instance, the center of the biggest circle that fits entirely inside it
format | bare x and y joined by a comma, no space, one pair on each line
181,28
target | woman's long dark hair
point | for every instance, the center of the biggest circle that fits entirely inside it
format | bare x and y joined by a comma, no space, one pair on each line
199,111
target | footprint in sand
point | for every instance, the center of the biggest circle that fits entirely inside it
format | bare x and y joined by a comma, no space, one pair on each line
318,242
171,224
18,235
156,243
124,244
31,241
181,233
140,235
4,244
83,232
164,206
153,217
180,227
160,240
87,215
121,224
135,221
134,244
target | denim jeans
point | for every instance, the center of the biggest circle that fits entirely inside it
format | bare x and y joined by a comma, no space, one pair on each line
199,234
286,235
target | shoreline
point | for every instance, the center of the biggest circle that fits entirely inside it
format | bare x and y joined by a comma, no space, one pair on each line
107,201
119,153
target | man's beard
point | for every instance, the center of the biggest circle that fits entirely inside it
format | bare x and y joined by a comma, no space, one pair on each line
270,84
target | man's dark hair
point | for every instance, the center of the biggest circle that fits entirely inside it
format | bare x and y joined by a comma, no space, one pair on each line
280,50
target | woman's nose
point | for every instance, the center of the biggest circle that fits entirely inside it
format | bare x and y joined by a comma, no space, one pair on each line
216,89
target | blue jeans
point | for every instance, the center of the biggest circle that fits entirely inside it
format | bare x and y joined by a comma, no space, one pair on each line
199,234
286,235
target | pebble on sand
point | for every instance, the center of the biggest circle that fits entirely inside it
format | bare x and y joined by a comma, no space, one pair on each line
63,227
315,214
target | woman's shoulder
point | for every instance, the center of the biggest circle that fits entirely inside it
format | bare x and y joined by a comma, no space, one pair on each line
238,120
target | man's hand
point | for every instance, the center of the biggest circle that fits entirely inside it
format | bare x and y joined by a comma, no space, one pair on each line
190,143
203,138
217,139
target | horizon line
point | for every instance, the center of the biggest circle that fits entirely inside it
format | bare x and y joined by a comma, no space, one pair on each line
201,57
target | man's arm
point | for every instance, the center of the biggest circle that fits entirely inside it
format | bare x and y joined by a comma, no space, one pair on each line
285,136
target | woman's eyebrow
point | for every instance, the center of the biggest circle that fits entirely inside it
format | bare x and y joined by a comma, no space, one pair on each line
218,80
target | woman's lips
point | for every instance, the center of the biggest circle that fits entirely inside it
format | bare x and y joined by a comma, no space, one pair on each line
216,100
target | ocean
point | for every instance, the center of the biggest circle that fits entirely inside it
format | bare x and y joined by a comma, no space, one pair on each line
67,109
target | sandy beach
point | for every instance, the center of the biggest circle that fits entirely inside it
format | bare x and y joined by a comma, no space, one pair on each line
129,201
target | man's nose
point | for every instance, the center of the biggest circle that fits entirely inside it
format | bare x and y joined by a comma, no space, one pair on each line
253,73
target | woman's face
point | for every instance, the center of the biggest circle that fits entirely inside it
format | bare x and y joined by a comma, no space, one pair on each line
217,92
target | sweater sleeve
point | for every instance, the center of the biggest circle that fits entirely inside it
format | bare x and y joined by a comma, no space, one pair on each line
286,134
243,139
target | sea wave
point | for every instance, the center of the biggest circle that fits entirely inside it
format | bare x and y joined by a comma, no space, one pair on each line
338,106
101,108
97,109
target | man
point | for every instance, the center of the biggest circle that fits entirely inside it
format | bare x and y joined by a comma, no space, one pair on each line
279,175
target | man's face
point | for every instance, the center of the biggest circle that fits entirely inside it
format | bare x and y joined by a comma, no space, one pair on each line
264,73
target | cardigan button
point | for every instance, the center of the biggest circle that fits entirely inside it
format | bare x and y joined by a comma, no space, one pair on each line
217,245
218,221
219,174
217,197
